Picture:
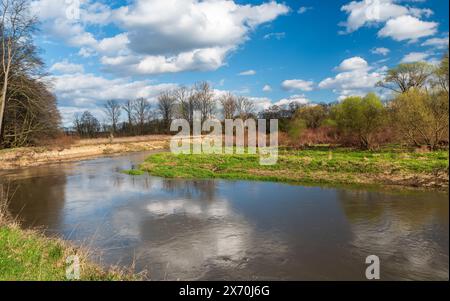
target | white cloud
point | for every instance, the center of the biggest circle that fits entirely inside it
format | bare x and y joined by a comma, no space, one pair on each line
440,43
415,57
304,9
407,28
247,73
297,84
353,63
381,51
66,67
275,35
356,78
300,99
188,35
370,11
401,22
261,103
91,90
267,88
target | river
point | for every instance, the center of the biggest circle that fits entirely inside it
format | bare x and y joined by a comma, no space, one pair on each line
234,230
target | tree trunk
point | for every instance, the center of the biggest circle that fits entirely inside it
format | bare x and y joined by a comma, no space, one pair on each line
3,104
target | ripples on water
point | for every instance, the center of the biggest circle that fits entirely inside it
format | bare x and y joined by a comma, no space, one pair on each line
216,230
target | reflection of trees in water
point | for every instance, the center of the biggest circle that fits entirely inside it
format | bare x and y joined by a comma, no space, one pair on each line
411,208
202,189
408,231
39,201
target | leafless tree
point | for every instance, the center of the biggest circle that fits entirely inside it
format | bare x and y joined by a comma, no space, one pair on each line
31,114
16,29
204,100
113,112
245,107
186,103
166,104
141,113
86,124
229,106
128,108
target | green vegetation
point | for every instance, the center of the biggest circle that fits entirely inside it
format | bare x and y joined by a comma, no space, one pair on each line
361,116
318,165
29,255
416,113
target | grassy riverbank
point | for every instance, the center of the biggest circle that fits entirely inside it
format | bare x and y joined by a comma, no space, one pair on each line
29,255
318,165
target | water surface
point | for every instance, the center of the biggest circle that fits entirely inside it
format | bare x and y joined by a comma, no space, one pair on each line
234,230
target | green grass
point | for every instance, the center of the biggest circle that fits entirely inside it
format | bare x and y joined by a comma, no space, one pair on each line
29,255
318,165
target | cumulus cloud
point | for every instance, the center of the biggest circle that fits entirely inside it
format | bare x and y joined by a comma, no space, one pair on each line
66,67
82,89
267,88
356,78
381,51
353,63
400,22
361,13
415,57
189,34
247,72
440,43
297,84
300,99
407,28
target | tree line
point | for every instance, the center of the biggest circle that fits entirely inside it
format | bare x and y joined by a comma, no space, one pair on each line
140,117
417,114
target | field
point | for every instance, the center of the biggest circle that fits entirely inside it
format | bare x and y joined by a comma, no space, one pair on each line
317,165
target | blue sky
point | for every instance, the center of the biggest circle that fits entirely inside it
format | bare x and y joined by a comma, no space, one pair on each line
269,51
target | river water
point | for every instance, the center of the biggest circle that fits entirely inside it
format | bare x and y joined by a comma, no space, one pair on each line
234,230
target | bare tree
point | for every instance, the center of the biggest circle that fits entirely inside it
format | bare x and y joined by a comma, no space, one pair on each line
166,104
113,111
31,113
245,108
16,29
204,100
229,106
184,97
86,124
128,107
141,109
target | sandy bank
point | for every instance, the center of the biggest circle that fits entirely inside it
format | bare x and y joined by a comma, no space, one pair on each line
82,149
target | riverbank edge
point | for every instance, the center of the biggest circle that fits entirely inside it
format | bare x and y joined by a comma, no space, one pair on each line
11,159
437,181
30,255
